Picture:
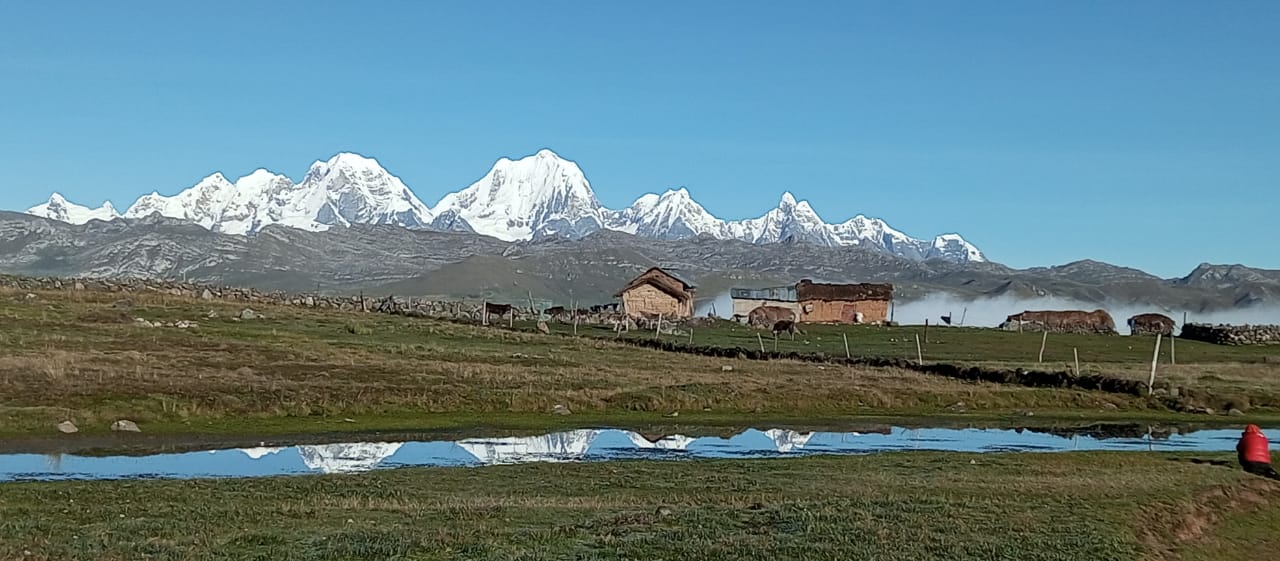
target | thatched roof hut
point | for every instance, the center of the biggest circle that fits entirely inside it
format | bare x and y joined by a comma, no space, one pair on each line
657,292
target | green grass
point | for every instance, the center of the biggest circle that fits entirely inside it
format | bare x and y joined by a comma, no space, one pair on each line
1216,376
904,506
81,357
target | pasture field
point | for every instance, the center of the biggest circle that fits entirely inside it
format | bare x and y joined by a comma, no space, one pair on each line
82,356
899,506
1098,353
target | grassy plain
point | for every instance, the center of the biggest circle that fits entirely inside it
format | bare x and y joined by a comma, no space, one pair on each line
81,356
904,506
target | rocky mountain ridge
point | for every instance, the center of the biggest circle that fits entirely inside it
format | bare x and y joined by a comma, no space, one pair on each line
391,259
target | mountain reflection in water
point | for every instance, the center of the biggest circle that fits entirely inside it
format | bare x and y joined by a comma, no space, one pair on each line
585,445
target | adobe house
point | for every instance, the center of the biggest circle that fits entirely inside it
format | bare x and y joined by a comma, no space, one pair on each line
843,303
820,303
657,292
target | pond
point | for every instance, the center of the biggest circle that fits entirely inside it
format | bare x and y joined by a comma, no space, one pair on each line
585,445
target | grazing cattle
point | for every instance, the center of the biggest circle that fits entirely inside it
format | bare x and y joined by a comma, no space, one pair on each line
1151,324
1071,321
555,311
786,326
767,316
497,309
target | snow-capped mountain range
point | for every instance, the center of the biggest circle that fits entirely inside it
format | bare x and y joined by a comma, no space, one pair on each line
534,197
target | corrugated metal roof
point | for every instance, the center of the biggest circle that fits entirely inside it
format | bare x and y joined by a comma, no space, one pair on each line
777,293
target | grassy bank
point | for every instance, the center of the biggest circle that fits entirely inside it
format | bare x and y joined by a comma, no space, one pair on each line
82,356
913,506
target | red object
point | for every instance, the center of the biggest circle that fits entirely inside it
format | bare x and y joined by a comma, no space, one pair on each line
1253,446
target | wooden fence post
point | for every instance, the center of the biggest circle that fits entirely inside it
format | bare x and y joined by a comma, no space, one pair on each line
846,345
1044,339
1155,357
760,340
1076,352
484,312
1173,351
919,353
657,331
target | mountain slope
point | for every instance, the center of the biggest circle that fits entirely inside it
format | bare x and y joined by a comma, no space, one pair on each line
388,259
535,197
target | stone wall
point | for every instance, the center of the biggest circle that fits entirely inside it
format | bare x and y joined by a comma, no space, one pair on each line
1232,334
399,305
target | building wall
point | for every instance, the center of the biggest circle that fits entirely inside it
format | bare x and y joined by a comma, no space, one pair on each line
742,306
829,311
647,300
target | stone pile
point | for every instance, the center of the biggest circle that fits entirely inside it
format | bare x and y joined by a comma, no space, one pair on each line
1232,334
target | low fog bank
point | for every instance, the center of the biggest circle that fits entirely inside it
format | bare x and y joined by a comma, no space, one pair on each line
720,306
991,312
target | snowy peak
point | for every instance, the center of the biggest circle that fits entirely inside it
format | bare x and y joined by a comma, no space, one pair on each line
59,208
671,215
352,189
537,196
344,190
791,221
952,247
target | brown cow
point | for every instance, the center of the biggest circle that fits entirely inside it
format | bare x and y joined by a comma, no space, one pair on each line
1071,321
766,316
1151,324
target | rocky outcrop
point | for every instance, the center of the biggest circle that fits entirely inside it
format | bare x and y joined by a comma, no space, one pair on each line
1232,334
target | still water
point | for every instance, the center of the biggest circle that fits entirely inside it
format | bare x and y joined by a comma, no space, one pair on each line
578,446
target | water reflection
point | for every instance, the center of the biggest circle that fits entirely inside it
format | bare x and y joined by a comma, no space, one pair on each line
585,445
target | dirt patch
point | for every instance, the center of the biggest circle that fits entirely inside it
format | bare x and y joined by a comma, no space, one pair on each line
1167,527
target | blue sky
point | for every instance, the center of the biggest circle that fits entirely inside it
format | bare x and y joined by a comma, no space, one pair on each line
1140,133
